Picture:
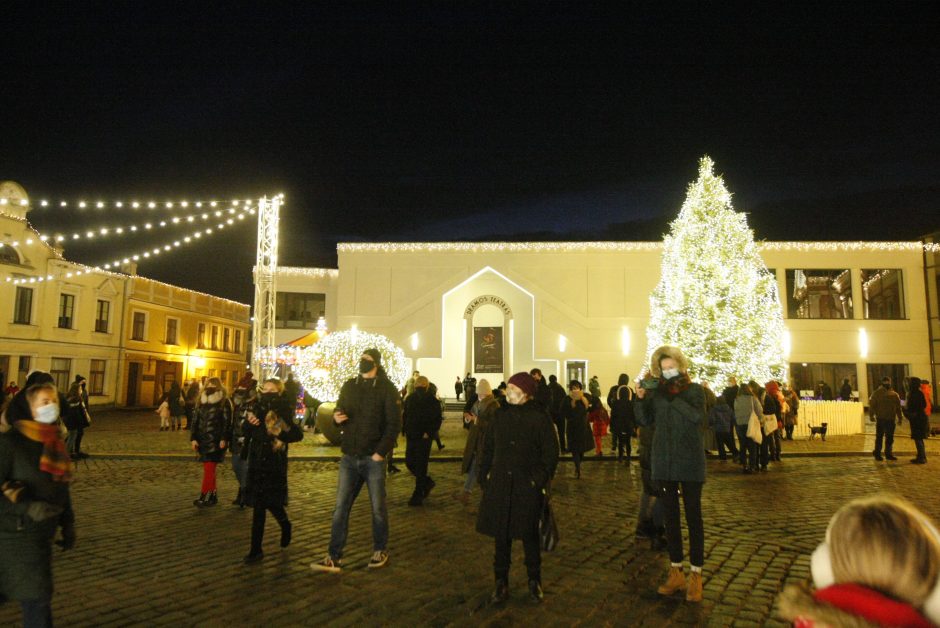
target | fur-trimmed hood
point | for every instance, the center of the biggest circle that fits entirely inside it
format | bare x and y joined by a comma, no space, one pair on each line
668,351
797,602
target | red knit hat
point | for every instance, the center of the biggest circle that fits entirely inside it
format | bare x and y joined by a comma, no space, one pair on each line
524,382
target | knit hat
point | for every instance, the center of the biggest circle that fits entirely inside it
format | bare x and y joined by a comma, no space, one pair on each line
484,388
524,382
375,355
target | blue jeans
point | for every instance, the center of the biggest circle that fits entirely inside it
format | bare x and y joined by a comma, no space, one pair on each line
240,467
354,471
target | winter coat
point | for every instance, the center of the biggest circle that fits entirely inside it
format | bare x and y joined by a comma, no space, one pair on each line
846,606
678,453
558,396
26,545
75,411
916,415
620,400
743,406
599,420
578,433
845,392
176,406
421,415
594,388
211,425
721,417
266,485
772,406
373,406
884,405
485,411
793,400
520,453
543,395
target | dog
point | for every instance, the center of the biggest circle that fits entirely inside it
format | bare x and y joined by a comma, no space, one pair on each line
820,431
935,430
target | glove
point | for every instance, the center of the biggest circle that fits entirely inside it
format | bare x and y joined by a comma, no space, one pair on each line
40,511
67,541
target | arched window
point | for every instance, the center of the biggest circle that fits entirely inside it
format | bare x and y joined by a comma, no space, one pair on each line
8,255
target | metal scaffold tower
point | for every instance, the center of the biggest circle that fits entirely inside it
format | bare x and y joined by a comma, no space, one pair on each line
265,285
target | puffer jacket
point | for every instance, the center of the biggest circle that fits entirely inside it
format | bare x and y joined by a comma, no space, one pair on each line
373,406
211,425
678,453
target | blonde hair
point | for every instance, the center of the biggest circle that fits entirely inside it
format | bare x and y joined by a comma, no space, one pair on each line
885,543
277,383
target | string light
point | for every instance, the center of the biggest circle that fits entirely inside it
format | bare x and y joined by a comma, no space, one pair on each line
592,247
307,273
134,203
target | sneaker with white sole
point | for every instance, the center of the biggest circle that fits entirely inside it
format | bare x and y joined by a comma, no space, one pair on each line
378,559
327,565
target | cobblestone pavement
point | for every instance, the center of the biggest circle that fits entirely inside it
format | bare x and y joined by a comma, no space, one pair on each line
146,556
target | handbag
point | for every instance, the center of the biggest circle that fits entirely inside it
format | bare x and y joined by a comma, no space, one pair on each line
548,527
770,423
753,428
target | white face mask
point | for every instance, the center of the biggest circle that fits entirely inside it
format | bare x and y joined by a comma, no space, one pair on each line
47,414
515,397
670,373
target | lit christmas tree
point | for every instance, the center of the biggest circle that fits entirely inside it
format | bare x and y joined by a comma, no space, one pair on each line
716,300
324,367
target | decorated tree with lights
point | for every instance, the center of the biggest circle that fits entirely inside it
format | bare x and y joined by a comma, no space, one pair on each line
716,299
324,367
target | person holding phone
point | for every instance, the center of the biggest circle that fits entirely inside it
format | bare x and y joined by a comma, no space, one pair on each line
369,412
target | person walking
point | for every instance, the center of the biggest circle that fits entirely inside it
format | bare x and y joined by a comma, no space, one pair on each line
915,410
543,393
575,409
421,420
76,418
458,388
622,419
35,473
884,405
558,395
268,428
209,435
745,403
369,411
520,454
481,417
600,421
176,406
669,400
243,400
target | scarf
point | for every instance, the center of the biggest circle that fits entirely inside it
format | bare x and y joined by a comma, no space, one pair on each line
55,458
675,385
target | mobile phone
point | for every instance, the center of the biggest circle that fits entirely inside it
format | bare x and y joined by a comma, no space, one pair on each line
649,383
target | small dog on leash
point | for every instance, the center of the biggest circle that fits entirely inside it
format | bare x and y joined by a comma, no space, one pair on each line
935,430
821,430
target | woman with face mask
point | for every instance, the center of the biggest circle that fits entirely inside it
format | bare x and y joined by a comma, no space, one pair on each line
668,400
210,434
35,472
575,409
268,429
520,453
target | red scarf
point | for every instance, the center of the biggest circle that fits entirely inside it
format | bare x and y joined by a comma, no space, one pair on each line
55,458
675,385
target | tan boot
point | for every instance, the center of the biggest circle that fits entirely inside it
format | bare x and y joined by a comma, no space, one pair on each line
675,582
694,592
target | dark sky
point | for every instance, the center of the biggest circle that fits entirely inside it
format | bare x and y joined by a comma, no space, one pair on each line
457,120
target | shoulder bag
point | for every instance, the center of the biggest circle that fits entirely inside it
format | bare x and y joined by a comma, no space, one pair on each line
753,428
548,527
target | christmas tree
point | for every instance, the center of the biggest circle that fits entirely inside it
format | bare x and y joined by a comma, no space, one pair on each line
716,300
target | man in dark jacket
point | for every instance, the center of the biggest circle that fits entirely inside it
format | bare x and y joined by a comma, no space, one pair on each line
542,393
729,394
558,395
884,405
369,411
421,420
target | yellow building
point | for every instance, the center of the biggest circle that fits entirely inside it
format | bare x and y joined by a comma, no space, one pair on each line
127,335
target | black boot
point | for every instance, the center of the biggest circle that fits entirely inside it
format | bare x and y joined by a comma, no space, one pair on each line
428,485
286,529
535,591
199,503
501,592
253,557
211,499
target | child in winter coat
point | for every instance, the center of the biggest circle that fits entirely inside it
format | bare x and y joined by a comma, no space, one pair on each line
599,419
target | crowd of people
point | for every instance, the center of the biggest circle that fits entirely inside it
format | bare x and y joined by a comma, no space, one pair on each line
515,435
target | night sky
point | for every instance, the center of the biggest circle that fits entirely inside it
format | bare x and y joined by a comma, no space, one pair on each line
446,121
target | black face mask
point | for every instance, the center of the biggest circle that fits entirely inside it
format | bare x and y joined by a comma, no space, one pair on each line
366,365
887,386
267,396
211,391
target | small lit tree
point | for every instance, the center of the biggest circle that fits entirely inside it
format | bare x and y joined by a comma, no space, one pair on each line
716,300
324,367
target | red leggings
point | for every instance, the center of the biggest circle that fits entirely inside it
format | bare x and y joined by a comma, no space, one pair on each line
208,476
597,444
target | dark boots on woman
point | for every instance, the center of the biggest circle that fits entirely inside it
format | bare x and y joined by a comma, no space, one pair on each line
206,499
501,592
286,530
535,591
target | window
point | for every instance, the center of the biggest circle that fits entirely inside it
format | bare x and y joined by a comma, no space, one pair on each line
96,378
819,293
883,292
822,380
23,308
238,341
139,326
66,310
8,255
897,372
299,310
201,336
214,344
103,316
172,331
226,339
61,372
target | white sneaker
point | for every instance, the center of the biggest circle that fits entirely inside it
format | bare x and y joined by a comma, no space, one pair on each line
327,565
378,559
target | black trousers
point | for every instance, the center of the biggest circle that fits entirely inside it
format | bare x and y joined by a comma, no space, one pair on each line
621,442
692,500
417,454
259,515
921,450
533,556
576,456
884,431
722,440
560,426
